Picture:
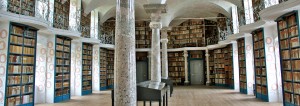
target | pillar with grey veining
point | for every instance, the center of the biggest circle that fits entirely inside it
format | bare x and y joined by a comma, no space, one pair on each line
207,68
164,53
155,25
186,67
125,63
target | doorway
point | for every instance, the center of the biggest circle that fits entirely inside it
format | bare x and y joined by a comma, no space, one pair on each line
197,73
141,71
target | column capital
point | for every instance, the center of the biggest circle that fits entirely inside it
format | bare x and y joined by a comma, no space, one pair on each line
155,25
155,8
185,53
164,40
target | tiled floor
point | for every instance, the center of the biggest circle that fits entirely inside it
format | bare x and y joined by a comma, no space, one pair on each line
182,96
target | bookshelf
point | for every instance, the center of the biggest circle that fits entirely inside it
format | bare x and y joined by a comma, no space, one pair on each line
219,67
143,34
229,79
257,5
261,85
176,67
85,24
242,65
61,14
110,69
20,83
106,69
22,7
211,68
103,64
211,32
87,66
288,27
62,68
188,34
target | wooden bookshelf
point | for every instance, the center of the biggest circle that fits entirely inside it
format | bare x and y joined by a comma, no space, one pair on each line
20,84
87,68
260,65
61,14
242,65
257,5
211,32
229,79
188,34
143,34
110,69
211,67
176,67
106,69
288,29
219,67
62,68
85,24
103,68
22,7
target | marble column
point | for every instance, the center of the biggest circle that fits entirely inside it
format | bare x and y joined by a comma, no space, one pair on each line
164,42
207,68
186,67
125,60
155,25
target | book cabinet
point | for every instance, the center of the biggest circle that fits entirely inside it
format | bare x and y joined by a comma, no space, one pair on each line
22,7
219,67
228,62
143,34
176,67
62,68
288,28
106,69
242,65
87,66
211,68
20,83
61,14
261,86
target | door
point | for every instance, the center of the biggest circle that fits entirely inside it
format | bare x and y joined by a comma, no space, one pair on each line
141,71
197,73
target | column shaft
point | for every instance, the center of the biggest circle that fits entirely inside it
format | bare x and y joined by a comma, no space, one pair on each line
186,67
155,55
207,68
125,60
164,41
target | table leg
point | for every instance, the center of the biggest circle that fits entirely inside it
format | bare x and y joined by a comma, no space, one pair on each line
150,103
167,99
164,100
144,103
159,102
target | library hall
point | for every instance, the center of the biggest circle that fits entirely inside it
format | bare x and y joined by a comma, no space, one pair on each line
149,53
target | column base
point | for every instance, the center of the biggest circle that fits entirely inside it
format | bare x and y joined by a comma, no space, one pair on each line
186,82
207,83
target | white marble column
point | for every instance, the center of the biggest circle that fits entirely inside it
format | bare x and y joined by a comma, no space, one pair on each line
155,25
186,67
249,63
236,72
207,68
164,42
125,60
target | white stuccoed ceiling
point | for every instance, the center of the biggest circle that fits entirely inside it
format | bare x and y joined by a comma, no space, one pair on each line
175,9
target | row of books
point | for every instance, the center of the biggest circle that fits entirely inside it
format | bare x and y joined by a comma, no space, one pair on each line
261,89
20,49
15,101
63,41
20,40
16,90
64,69
176,63
59,85
62,55
13,80
86,72
16,69
261,80
87,52
259,53
62,62
176,74
63,48
62,77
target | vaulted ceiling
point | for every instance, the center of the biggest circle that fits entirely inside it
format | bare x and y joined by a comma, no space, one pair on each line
175,9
